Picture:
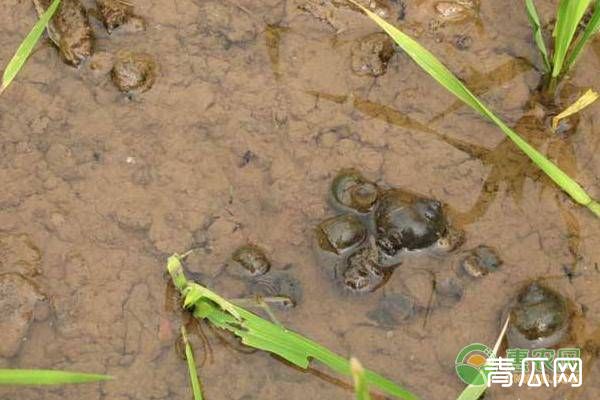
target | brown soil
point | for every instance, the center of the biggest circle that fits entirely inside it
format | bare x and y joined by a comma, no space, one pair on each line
254,110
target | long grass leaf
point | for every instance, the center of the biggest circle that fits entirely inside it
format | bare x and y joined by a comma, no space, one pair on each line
26,47
592,27
585,100
358,376
448,80
534,20
189,356
568,17
46,377
261,334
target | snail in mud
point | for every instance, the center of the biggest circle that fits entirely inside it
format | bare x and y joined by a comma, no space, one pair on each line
371,54
455,11
539,317
69,30
117,13
340,234
252,259
351,191
407,222
364,271
480,261
134,72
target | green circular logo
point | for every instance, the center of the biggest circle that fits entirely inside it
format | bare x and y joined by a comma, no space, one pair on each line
470,361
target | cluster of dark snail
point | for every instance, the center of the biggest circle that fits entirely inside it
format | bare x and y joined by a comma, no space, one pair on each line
375,228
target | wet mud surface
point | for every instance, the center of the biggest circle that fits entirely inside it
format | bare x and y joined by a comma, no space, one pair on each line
254,108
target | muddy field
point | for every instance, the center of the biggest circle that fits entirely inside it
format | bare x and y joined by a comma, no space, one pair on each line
255,107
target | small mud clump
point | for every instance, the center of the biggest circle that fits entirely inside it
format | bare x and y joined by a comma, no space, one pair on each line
480,261
134,72
539,317
70,30
117,13
371,54
252,259
361,247
19,298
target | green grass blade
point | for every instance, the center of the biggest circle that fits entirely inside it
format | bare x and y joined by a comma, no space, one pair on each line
189,356
26,47
568,17
534,20
46,377
448,80
474,392
360,385
590,30
261,334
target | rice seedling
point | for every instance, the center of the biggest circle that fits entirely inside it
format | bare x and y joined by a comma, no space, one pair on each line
26,47
438,71
358,375
569,40
189,356
261,334
46,377
585,100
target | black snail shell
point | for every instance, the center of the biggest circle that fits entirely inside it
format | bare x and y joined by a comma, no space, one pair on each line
409,223
539,317
351,191
340,234
252,259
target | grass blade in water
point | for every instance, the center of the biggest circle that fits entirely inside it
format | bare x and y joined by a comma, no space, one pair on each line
189,356
585,100
534,20
444,77
474,392
590,30
46,377
261,334
360,385
26,47
568,17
